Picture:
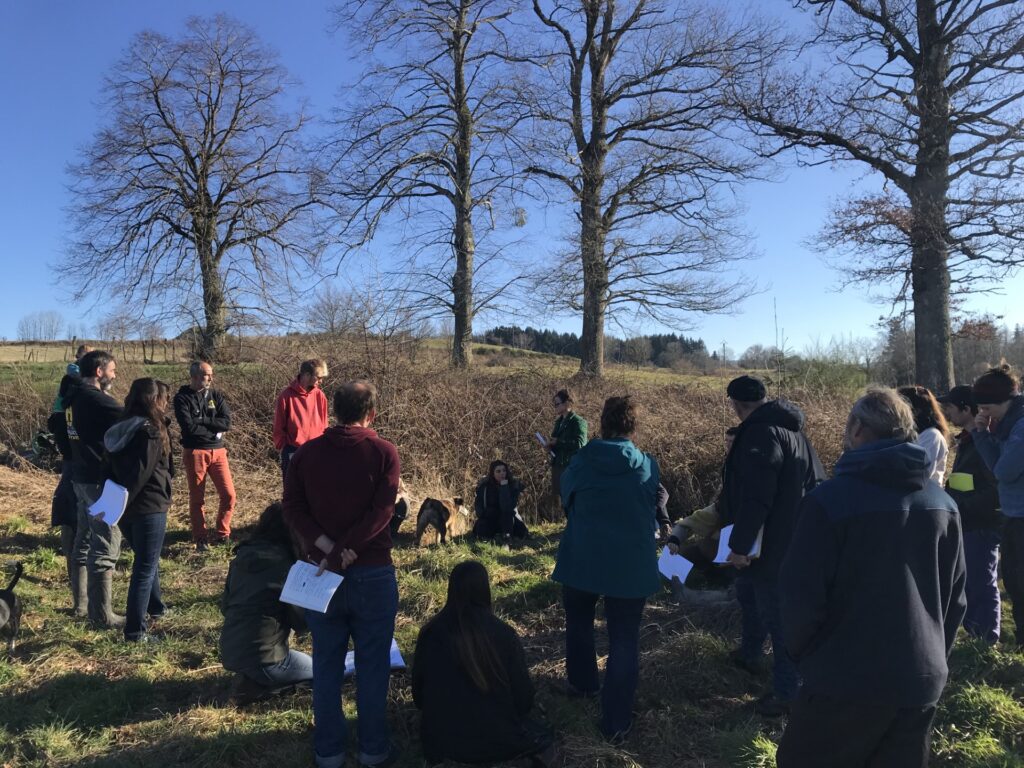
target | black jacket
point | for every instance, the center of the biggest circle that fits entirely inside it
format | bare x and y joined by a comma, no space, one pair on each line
202,416
256,622
979,509
57,423
459,721
872,588
769,469
492,499
90,413
139,463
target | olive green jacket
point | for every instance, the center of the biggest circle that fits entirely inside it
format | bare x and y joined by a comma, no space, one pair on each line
571,433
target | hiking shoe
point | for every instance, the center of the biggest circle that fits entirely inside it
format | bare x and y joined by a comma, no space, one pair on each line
740,659
771,705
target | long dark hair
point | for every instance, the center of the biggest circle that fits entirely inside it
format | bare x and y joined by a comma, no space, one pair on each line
494,465
927,412
272,527
469,601
143,400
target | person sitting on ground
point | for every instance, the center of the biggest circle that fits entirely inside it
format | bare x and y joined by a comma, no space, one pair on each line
471,683
497,498
254,639
932,428
139,449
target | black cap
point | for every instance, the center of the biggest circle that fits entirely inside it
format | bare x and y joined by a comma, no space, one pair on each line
961,396
746,389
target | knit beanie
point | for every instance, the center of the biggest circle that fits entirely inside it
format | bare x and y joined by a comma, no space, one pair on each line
993,388
746,389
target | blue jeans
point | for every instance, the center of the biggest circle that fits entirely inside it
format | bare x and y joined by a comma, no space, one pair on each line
623,670
785,676
286,456
145,533
981,553
362,609
296,667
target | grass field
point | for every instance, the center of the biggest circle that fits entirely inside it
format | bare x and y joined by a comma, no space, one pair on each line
73,696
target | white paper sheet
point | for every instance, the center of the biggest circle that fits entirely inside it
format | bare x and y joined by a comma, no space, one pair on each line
540,439
397,662
307,590
674,565
111,504
723,544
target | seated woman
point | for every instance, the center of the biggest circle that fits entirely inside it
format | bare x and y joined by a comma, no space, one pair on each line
497,496
469,679
254,639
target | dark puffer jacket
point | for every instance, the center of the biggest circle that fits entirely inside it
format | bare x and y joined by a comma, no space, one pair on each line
139,463
769,469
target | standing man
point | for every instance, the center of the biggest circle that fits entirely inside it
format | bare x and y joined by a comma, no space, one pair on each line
339,496
301,411
767,472
567,437
999,437
974,489
204,417
90,412
872,595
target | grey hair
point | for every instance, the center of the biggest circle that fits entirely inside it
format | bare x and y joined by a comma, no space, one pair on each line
886,414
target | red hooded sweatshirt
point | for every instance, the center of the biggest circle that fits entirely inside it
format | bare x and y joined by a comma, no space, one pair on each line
299,416
344,485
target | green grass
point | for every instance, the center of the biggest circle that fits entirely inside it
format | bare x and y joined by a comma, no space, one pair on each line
74,696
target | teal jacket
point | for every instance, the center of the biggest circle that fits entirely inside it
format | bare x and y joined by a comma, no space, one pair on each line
571,432
610,493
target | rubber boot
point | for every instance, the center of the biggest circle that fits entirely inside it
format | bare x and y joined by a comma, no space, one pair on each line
100,614
78,576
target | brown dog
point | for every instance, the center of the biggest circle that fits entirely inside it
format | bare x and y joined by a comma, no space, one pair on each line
447,517
10,611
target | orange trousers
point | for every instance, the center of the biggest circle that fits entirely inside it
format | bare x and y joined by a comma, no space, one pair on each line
200,464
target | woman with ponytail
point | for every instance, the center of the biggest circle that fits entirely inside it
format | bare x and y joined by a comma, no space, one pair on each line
469,679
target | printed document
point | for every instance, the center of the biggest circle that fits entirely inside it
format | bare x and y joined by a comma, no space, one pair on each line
723,544
111,504
307,590
674,565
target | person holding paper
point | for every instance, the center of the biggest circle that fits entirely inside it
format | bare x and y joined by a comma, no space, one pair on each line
471,683
609,492
339,497
872,592
91,411
254,638
568,436
973,487
203,416
139,449
497,497
767,472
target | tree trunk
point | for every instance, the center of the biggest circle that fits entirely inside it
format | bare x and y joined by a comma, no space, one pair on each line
463,241
933,348
213,304
595,274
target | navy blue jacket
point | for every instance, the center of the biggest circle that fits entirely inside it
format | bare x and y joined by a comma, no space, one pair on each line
769,469
872,587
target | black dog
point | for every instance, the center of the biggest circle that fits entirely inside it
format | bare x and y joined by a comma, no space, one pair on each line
446,517
401,512
10,611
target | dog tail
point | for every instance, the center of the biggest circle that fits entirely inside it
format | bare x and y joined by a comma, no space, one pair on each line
18,569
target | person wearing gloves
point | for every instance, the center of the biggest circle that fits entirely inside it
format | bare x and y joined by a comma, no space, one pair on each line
497,499
139,449
609,493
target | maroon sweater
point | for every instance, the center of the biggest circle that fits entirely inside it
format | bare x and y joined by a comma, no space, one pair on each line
343,485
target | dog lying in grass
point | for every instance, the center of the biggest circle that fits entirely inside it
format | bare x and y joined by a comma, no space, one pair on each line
10,611
447,517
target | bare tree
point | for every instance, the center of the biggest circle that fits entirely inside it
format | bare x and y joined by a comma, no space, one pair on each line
424,136
194,196
927,94
632,126
40,326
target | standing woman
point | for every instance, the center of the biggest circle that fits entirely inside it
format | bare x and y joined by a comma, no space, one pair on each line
932,428
568,436
140,459
609,493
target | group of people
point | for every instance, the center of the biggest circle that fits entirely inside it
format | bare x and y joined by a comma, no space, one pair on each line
860,581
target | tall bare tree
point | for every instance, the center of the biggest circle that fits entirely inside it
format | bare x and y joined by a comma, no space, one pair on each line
194,196
928,94
40,326
423,136
633,127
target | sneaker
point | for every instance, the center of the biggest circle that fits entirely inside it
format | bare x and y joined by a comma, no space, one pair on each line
739,659
202,546
771,705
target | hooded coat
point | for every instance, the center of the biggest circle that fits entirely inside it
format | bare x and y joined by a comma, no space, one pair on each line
610,493
139,463
768,470
299,415
873,585
1003,452
344,485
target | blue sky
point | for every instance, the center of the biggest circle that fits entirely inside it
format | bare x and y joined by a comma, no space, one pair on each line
53,56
